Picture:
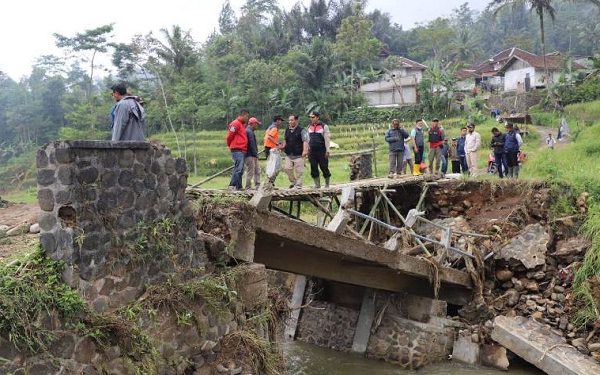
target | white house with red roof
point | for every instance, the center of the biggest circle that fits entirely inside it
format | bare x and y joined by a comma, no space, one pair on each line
397,87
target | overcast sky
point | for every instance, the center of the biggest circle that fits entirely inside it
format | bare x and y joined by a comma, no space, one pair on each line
26,26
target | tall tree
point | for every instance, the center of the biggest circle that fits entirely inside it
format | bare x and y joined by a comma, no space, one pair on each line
92,40
541,8
227,19
178,48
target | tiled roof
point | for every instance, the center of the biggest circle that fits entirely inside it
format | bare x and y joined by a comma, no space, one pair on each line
411,64
554,61
494,63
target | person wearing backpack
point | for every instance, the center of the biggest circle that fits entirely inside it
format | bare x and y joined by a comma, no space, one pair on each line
128,118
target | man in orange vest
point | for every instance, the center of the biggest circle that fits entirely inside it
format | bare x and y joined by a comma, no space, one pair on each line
272,135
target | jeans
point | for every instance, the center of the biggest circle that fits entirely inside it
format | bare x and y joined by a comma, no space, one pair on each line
444,164
499,160
238,168
463,164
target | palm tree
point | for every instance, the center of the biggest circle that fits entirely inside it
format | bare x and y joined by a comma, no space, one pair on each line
541,8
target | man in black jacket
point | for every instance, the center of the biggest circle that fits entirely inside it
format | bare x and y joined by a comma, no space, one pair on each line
497,145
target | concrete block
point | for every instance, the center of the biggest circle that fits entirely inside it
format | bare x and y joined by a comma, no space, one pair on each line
365,321
393,243
422,308
465,351
339,222
538,345
261,200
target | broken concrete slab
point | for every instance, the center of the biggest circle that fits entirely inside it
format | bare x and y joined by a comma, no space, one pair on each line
339,222
528,248
465,351
538,345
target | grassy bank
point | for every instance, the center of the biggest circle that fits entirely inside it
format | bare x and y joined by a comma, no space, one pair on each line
576,165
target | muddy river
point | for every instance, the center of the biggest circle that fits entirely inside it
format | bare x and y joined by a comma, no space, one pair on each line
304,359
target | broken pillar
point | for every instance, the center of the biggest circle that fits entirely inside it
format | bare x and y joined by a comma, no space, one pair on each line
261,199
341,218
291,323
538,345
365,321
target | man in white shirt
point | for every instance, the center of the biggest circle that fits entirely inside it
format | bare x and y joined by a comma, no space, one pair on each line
472,145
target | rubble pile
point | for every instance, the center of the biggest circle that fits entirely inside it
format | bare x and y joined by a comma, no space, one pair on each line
361,167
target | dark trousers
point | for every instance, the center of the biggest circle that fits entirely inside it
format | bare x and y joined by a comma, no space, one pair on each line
463,164
267,152
318,160
238,168
419,154
499,160
455,166
512,160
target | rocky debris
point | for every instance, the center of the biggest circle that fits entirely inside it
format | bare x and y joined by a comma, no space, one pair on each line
466,351
34,228
494,356
18,230
528,248
581,202
567,250
3,203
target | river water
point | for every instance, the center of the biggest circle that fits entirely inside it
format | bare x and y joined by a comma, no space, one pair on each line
305,359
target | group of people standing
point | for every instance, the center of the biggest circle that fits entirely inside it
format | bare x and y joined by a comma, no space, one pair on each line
462,152
298,143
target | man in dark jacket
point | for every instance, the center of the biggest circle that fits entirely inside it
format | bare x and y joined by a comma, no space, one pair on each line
445,151
497,145
127,116
460,148
251,160
395,138
512,145
436,140
318,149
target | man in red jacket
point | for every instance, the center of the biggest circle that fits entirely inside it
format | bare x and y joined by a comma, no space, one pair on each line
237,141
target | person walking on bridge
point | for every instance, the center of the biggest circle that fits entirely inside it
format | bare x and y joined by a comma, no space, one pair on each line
237,141
418,145
512,145
251,161
271,140
295,146
436,142
472,145
318,149
395,138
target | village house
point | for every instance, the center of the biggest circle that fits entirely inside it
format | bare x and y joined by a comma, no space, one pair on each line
525,72
397,87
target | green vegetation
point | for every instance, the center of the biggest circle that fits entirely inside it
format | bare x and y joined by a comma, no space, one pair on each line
576,165
31,293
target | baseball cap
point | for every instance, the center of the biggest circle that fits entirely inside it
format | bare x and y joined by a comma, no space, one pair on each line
253,120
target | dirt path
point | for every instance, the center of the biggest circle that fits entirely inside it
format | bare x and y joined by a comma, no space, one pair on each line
19,213
543,131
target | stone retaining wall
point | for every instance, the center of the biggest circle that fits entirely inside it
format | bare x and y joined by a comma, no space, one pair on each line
116,214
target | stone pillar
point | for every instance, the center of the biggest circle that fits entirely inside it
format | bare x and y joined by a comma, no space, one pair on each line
108,208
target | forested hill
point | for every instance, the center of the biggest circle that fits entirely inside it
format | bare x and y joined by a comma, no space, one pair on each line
266,59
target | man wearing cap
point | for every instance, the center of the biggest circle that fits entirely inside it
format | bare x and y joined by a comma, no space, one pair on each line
512,145
418,145
237,141
295,146
272,135
436,141
318,149
395,138
472,145
251,161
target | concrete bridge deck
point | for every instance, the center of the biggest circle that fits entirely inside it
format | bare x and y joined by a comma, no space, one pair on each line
293,246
